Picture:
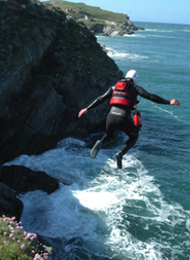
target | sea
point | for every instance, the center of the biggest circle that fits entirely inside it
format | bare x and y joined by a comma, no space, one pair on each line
139,212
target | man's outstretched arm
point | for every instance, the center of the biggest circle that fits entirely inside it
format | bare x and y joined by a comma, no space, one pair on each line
155,98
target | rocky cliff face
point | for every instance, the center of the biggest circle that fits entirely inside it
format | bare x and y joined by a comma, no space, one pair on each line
112,28
50,68
120,29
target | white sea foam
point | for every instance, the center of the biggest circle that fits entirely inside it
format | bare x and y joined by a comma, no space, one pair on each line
122,55
158,30
131,35
168,112
103,206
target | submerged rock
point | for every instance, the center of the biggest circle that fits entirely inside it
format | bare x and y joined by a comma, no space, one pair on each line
22,179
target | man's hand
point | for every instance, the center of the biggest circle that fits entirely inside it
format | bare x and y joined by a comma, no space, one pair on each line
174,102
82,111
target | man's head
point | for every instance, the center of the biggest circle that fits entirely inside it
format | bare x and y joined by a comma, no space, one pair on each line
132,74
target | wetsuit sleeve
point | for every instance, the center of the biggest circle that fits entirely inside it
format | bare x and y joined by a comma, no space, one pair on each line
157,99
101,99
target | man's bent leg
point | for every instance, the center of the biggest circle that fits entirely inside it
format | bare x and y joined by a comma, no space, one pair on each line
129,144
109,136
96,148
119,157
98,145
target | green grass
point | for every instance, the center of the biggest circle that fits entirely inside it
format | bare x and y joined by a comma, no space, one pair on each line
95,11
15,243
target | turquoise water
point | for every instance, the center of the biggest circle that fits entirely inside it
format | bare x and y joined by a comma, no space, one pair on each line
143,210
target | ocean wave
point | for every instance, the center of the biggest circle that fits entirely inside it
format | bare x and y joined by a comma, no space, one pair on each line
162,36
137,35
131,35
157,30
123,55
167,31
168,112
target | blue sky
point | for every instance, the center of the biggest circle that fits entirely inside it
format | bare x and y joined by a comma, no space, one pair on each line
163,11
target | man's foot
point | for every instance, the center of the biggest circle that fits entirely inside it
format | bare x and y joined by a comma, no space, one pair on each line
96,148
119,160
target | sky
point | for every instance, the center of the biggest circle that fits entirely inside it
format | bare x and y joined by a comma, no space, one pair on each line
162,11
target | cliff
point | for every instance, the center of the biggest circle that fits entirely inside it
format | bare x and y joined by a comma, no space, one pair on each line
50,67
98,21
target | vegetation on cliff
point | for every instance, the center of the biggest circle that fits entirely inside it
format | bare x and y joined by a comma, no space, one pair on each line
81,9
16,243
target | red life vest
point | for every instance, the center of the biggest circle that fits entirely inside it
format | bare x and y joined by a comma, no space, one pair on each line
120,95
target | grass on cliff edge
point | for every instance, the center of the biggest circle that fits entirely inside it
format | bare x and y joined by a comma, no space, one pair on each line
15,243
96,12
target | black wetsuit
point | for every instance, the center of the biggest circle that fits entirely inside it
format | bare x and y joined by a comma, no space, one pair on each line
119,116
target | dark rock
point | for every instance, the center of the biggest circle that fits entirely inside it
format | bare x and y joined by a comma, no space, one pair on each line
9,204
97,28
22,179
